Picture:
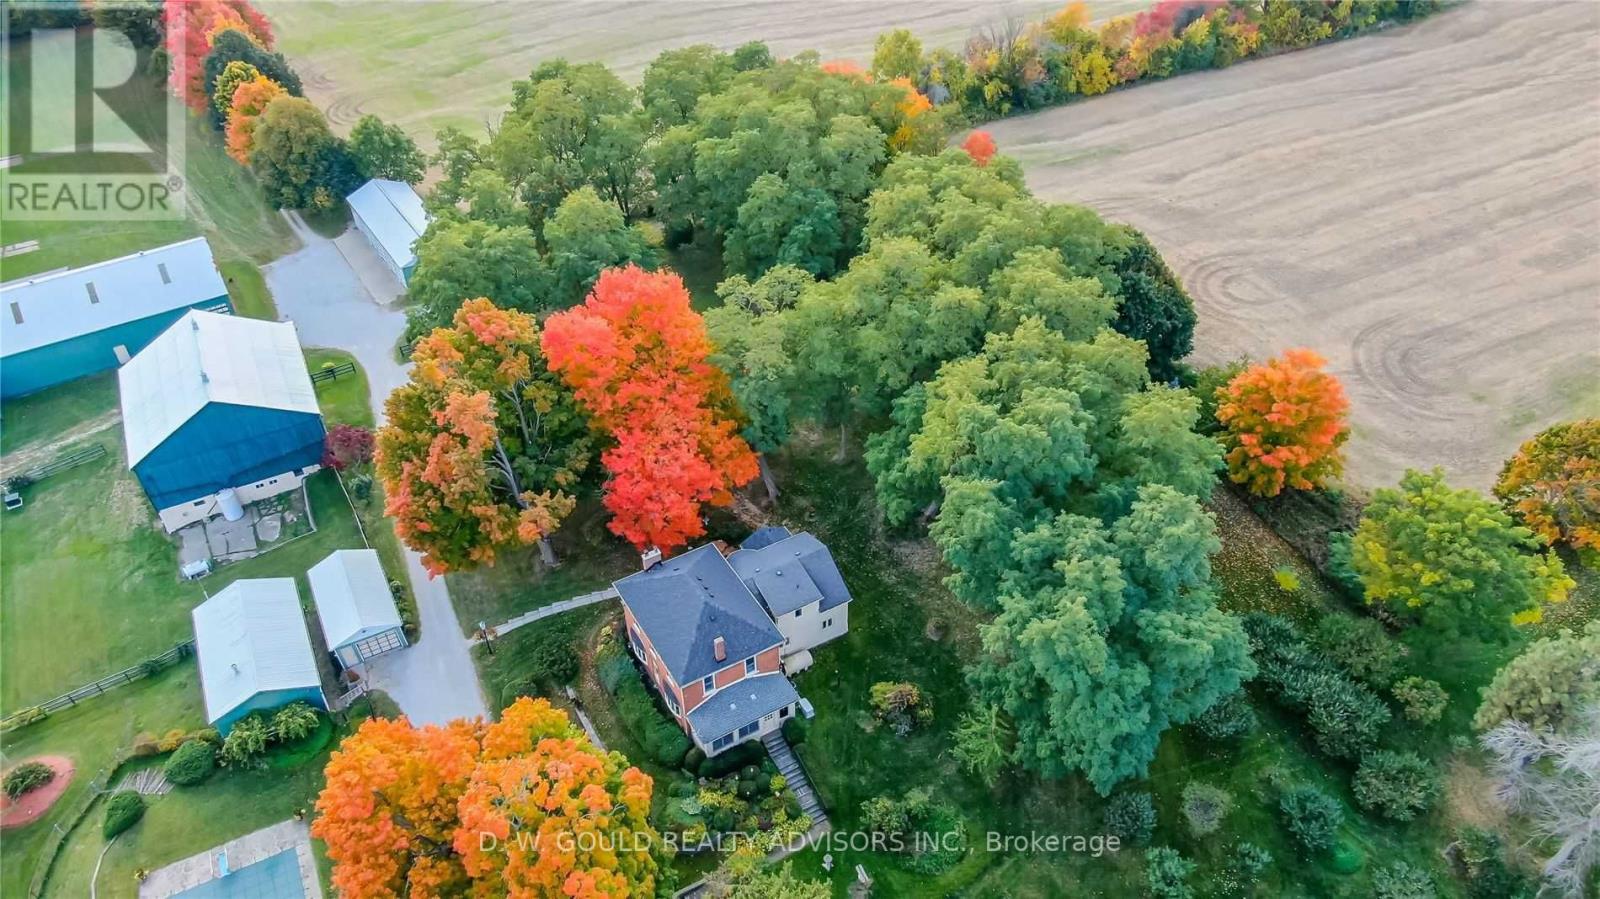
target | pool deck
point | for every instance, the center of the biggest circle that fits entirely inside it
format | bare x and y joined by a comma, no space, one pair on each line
242,852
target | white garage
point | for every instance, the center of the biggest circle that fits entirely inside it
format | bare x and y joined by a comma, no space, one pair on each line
357,611
390,215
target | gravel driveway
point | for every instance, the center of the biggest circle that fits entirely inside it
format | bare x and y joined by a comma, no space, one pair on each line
434,680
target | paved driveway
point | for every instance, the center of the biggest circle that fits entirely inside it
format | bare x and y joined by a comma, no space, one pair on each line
317,288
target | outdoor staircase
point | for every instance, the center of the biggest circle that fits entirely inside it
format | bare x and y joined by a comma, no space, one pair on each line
789,766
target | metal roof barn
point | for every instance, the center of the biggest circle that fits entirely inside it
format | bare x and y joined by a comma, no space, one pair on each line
254,651
391,216
61,326
215,402
357,611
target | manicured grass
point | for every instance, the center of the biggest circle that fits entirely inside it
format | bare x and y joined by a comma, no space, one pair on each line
91,735
344,400
248,290
86,554
591,558
50,413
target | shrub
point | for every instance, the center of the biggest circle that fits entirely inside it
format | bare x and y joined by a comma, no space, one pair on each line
245,741
1402,881
145,745
191,763
294,721
172,740
1422,700
1345,717
1361,647
1544,685
901,705
27,777
885,815
1167,874
659,735
693,759
1340,569
1131,817
1311,816
1204,807
1397,785
361,487
1229,718
796,729
1482,860
123,810
1288,581
731,759
1250,861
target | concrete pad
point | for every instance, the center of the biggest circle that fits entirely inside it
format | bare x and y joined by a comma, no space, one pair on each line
376,277
192,544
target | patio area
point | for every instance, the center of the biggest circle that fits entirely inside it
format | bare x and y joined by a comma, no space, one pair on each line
266,525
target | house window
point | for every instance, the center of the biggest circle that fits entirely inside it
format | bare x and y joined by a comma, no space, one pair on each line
827,623
672,701
750,665
798,612
721,742
708,684
783,712
749,729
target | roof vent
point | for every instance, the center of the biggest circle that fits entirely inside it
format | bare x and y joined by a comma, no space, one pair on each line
719,648
93,296
235,667
16,313
162,268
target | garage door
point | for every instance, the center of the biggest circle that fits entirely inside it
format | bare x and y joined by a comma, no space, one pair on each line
380,644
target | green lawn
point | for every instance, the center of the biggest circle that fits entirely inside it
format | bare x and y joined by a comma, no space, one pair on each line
92,735
224,201
48,414
248,289
591,558
345,399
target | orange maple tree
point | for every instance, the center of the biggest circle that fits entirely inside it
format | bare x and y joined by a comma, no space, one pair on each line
250,99
523,807
635,355
1553,483
1286,422
191,27
483,447
980,146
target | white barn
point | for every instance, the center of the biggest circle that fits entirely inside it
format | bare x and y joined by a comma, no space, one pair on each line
357,611
254,651
390,215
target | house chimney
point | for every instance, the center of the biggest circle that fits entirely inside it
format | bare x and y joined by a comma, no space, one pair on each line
719,648
650,558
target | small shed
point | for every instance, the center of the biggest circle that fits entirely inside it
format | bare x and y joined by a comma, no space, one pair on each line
219,411
391,217
254,651
355,606
64,325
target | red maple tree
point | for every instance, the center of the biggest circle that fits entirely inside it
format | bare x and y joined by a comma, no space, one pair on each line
635,356
191,27
1285,424
980,146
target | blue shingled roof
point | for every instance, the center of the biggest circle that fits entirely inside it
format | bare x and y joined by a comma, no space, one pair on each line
685,603
745,701
793,572
764,537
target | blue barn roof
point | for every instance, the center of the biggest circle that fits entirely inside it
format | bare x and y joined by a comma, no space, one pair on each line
218,401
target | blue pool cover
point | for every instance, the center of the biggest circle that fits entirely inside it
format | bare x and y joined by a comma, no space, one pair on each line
274,877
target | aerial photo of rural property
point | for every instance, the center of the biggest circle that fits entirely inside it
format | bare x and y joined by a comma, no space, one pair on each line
800,449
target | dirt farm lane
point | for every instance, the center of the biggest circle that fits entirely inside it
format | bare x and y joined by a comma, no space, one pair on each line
1421,206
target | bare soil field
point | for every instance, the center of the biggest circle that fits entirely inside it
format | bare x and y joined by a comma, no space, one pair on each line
1421,206
429,64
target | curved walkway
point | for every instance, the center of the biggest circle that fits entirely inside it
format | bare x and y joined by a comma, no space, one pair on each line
317,288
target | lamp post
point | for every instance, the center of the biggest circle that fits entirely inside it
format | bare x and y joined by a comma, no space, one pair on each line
483,632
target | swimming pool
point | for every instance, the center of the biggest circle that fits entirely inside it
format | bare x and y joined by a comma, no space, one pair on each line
274,877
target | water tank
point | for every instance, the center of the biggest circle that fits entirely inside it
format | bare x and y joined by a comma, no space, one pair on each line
228,502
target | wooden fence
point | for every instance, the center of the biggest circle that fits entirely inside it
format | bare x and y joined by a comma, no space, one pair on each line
333,372
36,713
61,463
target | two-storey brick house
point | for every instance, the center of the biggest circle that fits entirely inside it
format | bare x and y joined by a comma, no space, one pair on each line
714,647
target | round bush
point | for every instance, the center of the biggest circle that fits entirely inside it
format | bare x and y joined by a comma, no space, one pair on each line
1402,881
1311,816
123,810
795,730
1131,817
27,777
1396,785
1422,700
1229,718
191,763
1204,807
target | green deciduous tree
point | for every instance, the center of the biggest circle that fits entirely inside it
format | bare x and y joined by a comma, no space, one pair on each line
1452,560
1154,307
897,54
457,261
300,163
676,80
232,45
382,150
586,236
